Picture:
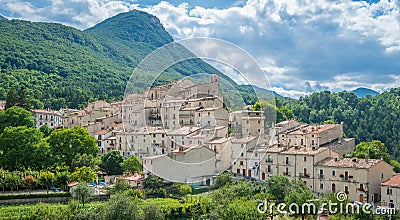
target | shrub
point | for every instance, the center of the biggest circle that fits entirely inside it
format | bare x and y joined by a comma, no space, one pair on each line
29,196
156,193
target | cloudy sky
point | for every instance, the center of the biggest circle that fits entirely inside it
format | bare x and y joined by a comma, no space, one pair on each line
302,45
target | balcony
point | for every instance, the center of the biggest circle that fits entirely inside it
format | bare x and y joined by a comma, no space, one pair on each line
345,177
269,160
185,115
154,116
321,176
304,175
286,173
187,123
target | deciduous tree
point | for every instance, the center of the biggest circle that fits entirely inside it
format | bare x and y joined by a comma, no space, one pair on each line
83,174
29,182
23,148
131,164
46,178
14,117
82,193
65,144
111,162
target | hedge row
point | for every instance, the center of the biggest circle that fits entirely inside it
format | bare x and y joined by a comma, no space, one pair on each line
30,196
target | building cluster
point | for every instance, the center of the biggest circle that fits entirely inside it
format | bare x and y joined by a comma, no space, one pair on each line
182,131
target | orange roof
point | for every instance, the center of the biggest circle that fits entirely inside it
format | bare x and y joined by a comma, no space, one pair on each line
102,132
115,124
71,184
134,178
394,181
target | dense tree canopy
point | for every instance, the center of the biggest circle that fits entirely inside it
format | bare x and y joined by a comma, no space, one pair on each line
373,149
131,164
23,148
83,174
67,143
14,117
111,162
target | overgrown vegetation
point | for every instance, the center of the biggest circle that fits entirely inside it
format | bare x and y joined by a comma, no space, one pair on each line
238,200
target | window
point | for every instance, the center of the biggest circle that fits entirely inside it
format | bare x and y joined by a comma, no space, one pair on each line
269,158
346,189
321,173
269,169
312,142
241,163
305,159
333,187
241,154
333,172
346,175
389,191
286,160
256,155
321,186
302,142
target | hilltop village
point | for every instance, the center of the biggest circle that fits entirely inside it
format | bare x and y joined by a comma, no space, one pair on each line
183,132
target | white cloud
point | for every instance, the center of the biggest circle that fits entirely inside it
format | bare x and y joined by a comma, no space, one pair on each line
77,13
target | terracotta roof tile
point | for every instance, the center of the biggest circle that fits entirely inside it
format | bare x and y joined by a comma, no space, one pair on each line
394,181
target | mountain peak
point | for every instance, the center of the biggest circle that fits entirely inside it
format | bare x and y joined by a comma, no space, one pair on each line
363,92
133,27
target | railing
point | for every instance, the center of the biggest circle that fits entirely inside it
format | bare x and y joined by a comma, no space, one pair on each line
321,176
187,123
304,175
155,116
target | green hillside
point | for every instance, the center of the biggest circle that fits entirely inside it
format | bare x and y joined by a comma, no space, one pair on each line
61,66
